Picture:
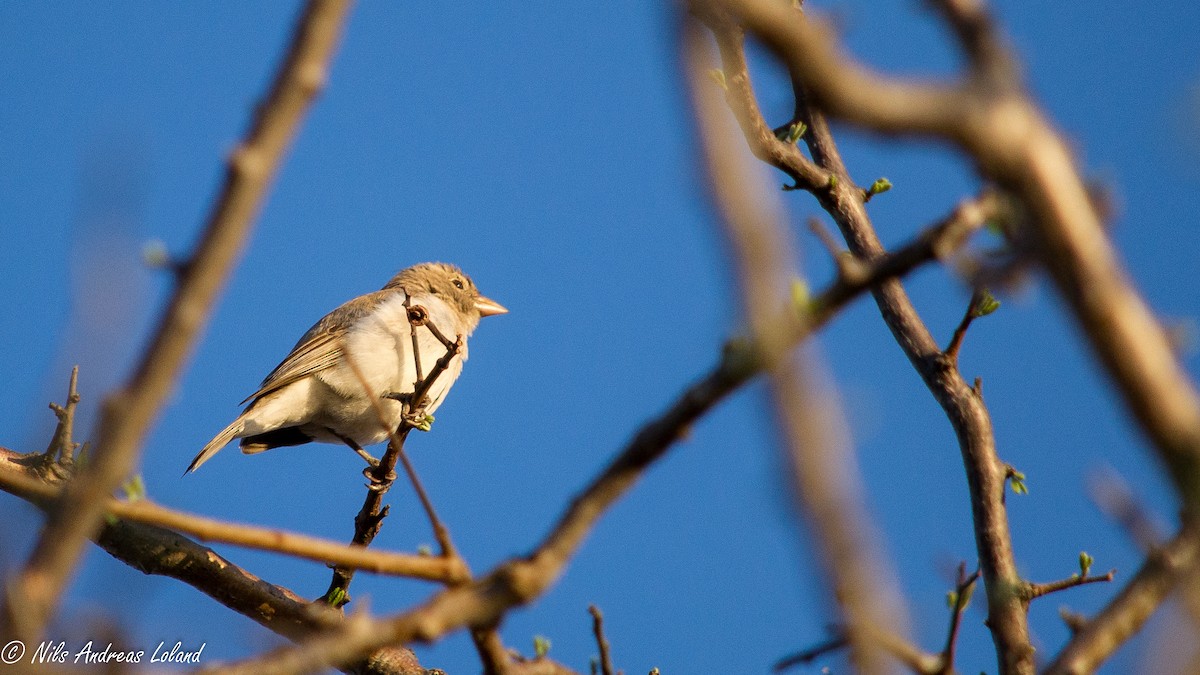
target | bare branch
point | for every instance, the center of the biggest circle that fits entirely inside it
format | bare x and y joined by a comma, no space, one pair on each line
62,444
606,666
127,413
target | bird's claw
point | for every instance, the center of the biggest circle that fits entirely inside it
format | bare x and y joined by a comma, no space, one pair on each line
375,482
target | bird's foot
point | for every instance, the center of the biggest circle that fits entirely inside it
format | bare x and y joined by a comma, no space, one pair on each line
372,462
375,482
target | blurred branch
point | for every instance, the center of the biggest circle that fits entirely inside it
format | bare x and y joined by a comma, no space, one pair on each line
126,415
827,484
905,106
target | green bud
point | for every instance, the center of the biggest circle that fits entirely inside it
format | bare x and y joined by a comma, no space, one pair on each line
134,488
952,599
801,298
985,305
967,593
155,254
880,186
336,597
541,646
1085,562
424,549
797,131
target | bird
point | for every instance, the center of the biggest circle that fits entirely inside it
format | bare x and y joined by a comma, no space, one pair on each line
365,348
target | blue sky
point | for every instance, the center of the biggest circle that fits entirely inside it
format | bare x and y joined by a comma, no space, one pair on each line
547,148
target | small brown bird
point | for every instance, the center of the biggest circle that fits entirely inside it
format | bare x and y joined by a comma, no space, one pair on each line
315,395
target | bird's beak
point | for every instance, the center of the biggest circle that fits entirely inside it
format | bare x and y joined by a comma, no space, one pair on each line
489,307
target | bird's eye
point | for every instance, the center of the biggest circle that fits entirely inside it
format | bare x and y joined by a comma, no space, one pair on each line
457,284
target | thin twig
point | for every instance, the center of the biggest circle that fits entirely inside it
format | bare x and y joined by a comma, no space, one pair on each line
963,590
62,444
811,654
127,414
1033,590
606,666
370,517
960,332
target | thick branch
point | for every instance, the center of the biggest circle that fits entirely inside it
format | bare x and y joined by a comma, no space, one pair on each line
127,413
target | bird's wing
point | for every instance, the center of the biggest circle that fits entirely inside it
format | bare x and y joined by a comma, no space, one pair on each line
321,346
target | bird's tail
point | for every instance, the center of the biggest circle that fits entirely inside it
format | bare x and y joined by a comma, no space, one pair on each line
222,439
